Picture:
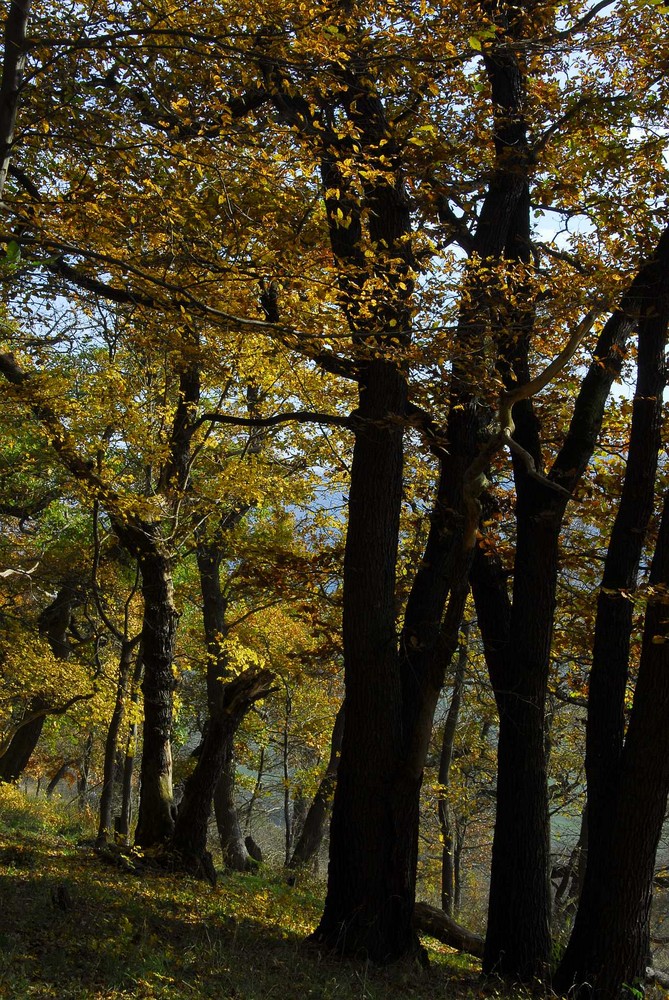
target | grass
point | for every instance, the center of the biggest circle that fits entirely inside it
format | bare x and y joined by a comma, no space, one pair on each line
75,928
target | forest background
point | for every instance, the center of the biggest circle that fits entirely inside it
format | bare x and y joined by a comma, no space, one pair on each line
333,368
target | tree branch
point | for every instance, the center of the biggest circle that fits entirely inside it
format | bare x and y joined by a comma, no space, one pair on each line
299,416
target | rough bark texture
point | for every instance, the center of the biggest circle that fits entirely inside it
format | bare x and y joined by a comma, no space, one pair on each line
155,821
12,78
369,901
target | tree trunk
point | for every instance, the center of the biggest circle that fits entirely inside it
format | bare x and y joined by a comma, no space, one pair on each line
232,841
54,622
445,759
155,822
605,747
124,819
22,744
237,696
610,955
313,830
84,772
106,824
369,904
53,781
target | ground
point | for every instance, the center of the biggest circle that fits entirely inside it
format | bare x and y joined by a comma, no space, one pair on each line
74,927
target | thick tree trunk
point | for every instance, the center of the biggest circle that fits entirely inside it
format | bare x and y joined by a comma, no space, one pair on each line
610,956
369,904
313,829
155,822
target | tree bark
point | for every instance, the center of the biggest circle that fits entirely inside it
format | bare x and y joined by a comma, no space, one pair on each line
368,909
231,838
448,881
237,696
605,739
611,954
155,821
106,822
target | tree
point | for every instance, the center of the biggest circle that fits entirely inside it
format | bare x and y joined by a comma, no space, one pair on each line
405,260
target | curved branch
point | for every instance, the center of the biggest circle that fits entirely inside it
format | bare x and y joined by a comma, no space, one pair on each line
299,416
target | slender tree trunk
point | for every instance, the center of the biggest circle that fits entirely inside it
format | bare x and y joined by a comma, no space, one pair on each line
605,747
609,957
124,819
313,829
237,696
56,777
446,757
106,823
231,838
84,772
217,761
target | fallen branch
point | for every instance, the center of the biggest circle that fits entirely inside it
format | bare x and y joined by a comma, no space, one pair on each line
437,924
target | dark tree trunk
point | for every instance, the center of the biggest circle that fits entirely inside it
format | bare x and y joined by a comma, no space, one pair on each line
106,823
605,748
155,822
313,829
369,902
517,639
54,623
22,744
446,757
231,838
56,777
610,955
237,696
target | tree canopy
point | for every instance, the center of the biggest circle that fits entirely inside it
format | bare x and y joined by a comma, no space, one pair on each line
326,328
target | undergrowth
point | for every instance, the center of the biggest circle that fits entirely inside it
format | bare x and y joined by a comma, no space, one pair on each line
75,928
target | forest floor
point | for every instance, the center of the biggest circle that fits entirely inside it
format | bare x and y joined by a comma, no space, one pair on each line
73,927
